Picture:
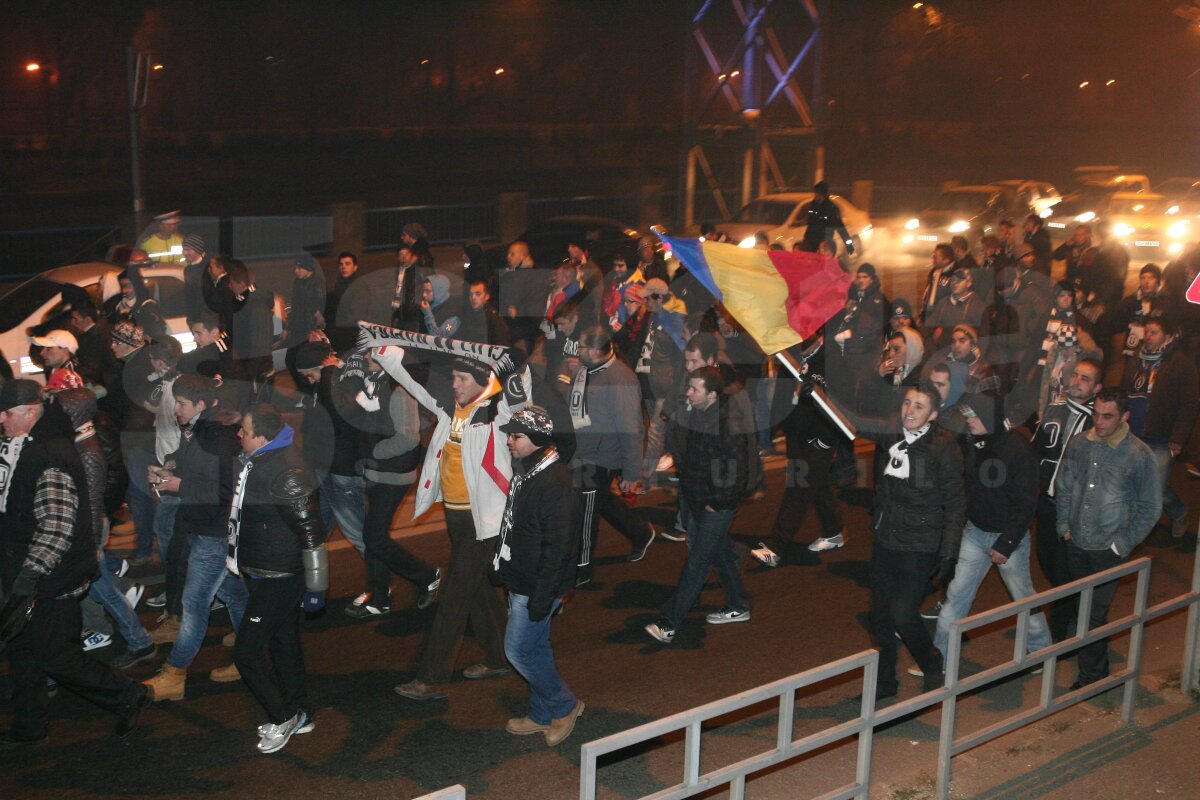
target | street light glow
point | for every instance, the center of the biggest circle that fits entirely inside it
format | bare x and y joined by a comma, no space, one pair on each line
918,6
499,70
32,66
1084,85
157,67
1110,82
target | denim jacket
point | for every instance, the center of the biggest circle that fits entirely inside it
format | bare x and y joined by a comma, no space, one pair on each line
1107,492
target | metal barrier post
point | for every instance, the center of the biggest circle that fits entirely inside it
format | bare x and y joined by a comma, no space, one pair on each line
1188,678
1135,645
949,707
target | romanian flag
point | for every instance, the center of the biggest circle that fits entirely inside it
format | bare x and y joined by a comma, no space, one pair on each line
781,298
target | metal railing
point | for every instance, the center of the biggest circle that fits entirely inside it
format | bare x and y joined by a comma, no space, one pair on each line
447,224
276,236
456,792
734,775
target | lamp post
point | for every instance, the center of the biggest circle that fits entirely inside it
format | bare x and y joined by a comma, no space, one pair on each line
137,70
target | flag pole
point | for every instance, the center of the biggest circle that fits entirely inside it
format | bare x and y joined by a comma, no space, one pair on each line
823,401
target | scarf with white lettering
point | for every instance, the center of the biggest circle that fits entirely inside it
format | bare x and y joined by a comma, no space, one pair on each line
10,451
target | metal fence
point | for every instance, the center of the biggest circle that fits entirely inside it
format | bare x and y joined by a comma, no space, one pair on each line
734,775
448,224
456,792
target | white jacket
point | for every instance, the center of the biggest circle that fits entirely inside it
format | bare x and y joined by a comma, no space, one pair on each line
486,462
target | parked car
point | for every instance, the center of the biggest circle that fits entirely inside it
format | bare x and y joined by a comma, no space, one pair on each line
781,218
40,298
548,241
969,210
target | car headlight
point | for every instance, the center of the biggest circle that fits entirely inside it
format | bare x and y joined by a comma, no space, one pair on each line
1046,213
1121,229
1086,216
1173,209
747,243
1178,230
961,226
912,224
908,238
1175,248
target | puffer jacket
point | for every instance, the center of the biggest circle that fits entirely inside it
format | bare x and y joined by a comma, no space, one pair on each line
926,511
279,514
711,456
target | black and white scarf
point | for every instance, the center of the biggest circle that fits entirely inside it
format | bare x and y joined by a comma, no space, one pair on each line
10,453
579,413
898,466
503,551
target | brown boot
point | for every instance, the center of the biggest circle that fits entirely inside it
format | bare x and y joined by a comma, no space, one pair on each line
561,728
168,683
227,674
525,726
167,631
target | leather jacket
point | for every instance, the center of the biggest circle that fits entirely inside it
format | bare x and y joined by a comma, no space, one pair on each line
279,514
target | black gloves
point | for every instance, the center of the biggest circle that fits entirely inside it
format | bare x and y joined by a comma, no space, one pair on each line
18,606
943,572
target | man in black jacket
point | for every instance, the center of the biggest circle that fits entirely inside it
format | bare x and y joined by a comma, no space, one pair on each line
919,510
711,460
540,536
1002,487
201,473
275,538
48,553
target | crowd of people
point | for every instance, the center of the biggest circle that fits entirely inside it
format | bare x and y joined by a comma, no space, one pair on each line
535,400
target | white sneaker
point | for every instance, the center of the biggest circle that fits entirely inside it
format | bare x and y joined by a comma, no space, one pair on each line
665,464
765,555
307,727
727,614
94,641
276,736
134,595
933,612
916,672
827,543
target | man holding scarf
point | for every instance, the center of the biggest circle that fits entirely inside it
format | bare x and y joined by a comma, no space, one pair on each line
609,445
535,560
468,468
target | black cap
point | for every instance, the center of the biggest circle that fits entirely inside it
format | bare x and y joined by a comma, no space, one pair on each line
19,392
311,355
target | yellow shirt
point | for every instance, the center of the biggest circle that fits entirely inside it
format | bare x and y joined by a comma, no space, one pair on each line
156,244
454,483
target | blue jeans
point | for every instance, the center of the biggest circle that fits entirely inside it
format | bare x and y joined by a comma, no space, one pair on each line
1175,508
527,646
708,547
105,592
164,523
207,577
974,561
344,500
138,495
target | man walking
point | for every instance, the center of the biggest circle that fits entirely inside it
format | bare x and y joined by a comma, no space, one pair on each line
713,471
1001,484
605,402
275,539
47,556
535,560
1108,498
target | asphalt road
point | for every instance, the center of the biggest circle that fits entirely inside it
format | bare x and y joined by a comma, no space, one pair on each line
371,743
